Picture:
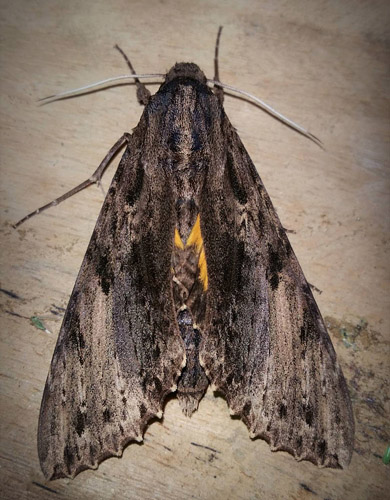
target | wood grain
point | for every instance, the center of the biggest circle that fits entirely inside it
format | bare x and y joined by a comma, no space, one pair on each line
324,65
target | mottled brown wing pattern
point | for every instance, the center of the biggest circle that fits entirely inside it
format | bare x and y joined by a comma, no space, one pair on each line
119,351
265,345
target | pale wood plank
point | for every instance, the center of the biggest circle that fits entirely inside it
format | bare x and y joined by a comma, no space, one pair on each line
324,65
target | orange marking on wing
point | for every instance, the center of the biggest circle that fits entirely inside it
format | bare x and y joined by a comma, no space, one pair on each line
178,241
195,239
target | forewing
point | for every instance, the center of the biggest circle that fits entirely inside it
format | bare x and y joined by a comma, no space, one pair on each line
265,344
119,351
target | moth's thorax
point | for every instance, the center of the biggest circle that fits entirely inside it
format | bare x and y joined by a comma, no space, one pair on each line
187,114
187,129
186,70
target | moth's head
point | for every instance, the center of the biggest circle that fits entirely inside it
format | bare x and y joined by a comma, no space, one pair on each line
186,70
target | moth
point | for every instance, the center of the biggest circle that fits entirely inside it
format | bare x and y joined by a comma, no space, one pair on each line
189,280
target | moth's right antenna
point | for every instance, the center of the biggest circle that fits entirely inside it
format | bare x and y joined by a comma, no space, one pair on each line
218,90
143,94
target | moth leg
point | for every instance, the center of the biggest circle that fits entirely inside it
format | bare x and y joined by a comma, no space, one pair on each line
313,287
143,94
94,179
217,90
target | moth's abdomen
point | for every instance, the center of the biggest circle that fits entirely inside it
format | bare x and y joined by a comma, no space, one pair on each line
193,381
190,282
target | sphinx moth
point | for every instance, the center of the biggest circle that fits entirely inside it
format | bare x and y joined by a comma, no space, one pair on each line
189,280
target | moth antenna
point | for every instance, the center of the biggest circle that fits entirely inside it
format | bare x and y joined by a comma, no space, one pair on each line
143,94
269,109
94,179
218,90
73,92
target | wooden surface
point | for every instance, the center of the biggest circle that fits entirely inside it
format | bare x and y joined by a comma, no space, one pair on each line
323,64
